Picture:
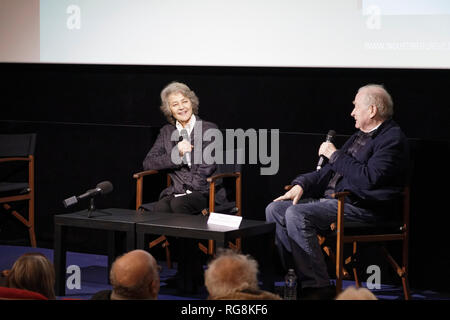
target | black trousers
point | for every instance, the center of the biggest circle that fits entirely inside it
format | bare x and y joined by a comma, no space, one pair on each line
189,276
192,203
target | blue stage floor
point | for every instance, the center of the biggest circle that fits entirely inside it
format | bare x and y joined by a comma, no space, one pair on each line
94,277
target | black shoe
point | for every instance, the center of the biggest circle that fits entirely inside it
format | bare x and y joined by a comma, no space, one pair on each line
318,293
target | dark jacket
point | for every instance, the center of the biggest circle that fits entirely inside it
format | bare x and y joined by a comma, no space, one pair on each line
375,176
183,178
102,295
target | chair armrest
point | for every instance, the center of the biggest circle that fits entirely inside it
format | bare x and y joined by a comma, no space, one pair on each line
212,190
223,175
14,159
144,173
340,195
336,195
140,184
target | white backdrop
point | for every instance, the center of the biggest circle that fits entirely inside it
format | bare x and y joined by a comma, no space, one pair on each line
286,33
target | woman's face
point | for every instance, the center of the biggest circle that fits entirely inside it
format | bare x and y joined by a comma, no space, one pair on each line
181,107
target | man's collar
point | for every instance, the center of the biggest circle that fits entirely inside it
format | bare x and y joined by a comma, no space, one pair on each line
375,128
373,132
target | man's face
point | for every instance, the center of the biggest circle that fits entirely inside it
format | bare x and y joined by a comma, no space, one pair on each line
362,113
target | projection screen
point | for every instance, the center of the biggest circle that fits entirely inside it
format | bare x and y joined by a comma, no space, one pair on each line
281,33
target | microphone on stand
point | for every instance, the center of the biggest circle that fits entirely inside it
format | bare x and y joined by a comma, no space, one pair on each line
104,187
322,159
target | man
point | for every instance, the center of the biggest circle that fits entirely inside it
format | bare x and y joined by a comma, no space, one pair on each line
233,276
134,276
372,165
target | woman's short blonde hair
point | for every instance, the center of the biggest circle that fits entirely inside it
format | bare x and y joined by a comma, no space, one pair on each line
177,87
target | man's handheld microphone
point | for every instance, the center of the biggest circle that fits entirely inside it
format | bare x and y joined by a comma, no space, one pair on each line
104,187
322,158
187,155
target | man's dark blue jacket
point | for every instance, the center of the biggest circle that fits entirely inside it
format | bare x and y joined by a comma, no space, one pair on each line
375,176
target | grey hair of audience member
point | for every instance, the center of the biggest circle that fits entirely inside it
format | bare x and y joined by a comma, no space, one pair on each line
231,272
352,293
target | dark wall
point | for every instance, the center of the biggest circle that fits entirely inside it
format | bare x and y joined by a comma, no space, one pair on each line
97,123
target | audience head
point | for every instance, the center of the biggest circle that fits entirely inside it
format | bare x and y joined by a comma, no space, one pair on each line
33,272
352,293
229,273
135,276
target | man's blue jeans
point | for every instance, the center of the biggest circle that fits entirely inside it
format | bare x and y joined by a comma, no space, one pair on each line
296,232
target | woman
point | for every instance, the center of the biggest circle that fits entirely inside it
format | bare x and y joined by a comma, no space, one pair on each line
189,190
33,272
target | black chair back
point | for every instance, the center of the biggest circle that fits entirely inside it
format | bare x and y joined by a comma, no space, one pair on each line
17,145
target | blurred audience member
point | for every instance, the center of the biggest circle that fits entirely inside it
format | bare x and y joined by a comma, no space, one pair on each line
352,293
233,276
134,276
4,278
33,272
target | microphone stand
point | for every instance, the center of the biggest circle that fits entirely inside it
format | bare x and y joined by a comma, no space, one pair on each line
93,209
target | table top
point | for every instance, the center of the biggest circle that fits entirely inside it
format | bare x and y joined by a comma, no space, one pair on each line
171,224
196,226
102,214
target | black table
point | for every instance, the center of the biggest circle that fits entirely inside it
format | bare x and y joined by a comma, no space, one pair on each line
113,220
138,226
196,227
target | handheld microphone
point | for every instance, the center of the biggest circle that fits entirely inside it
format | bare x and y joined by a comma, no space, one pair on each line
187,155
102,188
322,158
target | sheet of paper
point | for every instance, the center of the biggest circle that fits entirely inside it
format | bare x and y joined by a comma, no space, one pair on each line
224,220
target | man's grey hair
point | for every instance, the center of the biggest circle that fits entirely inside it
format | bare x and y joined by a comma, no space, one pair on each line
377,95
231,272
177,87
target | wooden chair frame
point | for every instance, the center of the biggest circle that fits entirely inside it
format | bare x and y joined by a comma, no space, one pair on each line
212,193
139,195
29,196
341,239
402,235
